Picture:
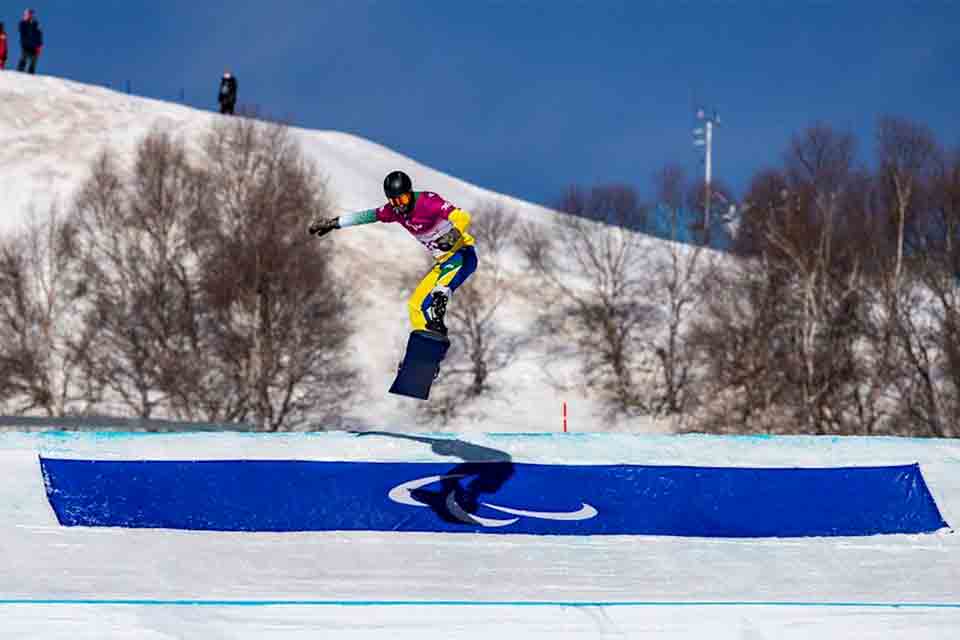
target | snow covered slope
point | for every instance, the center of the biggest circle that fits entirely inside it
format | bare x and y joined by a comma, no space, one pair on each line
50,129
95,582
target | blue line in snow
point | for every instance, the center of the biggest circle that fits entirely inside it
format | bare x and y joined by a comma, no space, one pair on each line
468,603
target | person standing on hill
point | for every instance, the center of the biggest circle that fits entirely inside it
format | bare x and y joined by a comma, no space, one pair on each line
31,41
3,47
228,93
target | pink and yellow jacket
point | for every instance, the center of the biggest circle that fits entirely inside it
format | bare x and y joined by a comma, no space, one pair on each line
437,224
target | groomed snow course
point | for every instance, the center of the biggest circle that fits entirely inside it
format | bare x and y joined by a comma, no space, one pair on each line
86,582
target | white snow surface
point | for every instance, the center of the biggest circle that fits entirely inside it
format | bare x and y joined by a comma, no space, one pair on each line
51,129
75,582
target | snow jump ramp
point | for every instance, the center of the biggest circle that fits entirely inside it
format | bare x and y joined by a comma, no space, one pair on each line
495,496
111,534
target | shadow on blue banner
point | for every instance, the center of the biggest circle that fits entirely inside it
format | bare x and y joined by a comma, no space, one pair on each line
490,494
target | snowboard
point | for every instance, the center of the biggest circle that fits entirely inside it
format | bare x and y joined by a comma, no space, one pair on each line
421,363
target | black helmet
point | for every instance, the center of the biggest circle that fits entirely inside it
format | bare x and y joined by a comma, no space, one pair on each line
397,183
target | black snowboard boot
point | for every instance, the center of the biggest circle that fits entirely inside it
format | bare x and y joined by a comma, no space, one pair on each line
438,309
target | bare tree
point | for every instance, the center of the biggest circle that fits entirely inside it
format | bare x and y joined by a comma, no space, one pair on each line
912,297
942,280
42,345
209,300
782,347
916,358
822,312
945,205
536,242
613,204
494,226
740,343
820,160
137,232
278,316
598,293
921,309
906,152
765,196
780,338
803,197
833,324
678,282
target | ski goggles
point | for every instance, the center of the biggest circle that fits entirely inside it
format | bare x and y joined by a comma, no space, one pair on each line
401,200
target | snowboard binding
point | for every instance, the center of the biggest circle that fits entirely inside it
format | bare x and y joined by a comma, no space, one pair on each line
436,312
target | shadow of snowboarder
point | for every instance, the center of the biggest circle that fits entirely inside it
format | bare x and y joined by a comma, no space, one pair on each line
483,471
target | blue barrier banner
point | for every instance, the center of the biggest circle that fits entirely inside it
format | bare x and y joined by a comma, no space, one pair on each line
490,497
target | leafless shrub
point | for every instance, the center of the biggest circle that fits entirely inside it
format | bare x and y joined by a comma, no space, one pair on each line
916,361
781,335
42,348
536,243
906,153
495,227
678,284
597,292
820,160
941,277
836,321
278,317
780,347
798,200
138,233
208,298
916,327
740,343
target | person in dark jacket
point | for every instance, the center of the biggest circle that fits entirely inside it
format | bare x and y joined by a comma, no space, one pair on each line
228,93
31,41
3,46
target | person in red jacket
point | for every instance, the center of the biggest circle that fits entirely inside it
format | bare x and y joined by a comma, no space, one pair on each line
3,47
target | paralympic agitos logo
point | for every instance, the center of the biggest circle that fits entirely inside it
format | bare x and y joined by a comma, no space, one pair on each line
407,493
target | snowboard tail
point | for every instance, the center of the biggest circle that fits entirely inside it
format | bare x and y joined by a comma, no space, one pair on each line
425,351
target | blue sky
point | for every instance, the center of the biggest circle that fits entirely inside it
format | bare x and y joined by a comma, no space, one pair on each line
526,97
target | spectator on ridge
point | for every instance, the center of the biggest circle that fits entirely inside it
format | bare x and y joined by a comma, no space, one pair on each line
3,47
31,41
228,93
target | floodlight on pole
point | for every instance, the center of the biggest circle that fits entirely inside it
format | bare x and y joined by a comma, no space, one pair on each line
703,137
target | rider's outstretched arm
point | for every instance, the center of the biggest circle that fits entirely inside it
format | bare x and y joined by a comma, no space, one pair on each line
324,226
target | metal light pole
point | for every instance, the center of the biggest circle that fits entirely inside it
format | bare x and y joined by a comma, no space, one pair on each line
703,137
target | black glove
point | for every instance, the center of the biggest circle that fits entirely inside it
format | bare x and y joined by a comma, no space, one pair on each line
323,226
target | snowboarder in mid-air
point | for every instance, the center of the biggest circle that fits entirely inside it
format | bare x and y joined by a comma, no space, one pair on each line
440,226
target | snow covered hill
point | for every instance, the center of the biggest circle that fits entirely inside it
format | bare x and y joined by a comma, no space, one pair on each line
50,129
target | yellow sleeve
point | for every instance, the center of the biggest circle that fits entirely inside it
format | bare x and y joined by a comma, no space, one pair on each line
460,219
